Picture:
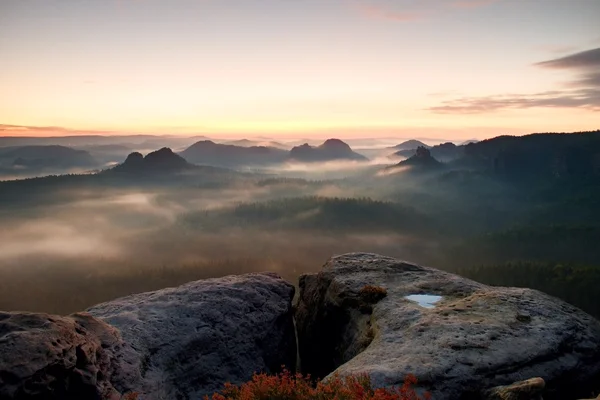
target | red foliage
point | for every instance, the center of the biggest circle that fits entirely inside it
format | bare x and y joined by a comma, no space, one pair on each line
286,386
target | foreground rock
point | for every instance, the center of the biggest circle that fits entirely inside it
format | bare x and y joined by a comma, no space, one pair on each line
191,339
50,357
531,389
353,317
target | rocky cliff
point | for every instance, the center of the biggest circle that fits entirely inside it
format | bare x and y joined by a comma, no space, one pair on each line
361,314
176,343
51,357
365,313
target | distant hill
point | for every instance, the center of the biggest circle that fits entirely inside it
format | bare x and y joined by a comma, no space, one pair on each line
207,152
138,141
257,143
45,157
105,148
330,150
444,152
159,161
108,153
422,160
410,145
537,155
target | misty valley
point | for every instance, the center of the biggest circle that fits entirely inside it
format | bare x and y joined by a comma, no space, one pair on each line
90,219
299,200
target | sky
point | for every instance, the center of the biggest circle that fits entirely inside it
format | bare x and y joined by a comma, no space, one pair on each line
354,68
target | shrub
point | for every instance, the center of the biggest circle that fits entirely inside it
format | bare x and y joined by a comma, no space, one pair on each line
286,386
372,294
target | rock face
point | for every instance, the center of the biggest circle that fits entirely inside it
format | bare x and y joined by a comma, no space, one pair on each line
530,389
50,357
191,339
474,338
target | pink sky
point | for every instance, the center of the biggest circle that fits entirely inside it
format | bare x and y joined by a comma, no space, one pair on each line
345,68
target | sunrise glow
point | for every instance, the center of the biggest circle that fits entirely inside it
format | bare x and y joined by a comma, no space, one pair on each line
287,68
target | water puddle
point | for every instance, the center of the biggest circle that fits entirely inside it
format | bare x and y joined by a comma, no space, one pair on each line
424,300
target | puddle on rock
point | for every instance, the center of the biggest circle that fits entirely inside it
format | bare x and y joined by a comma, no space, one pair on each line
424,300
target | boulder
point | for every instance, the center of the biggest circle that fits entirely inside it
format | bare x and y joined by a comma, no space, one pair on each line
190,340
530,389
471,338
51,357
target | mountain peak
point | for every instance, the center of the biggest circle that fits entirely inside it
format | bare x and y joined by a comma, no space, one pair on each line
330,150
421,159
411,144
162,160
134,158
335,144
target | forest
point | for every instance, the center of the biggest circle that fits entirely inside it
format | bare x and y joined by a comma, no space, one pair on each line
508,211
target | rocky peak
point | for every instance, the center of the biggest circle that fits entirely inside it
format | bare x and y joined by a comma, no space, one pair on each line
163,160
204,143
331,149
421,160
423,152
134,158
336,144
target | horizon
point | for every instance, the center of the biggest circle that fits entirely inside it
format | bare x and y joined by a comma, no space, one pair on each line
377,141
423,134
450,70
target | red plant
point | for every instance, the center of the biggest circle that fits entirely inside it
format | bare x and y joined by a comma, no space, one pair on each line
286,386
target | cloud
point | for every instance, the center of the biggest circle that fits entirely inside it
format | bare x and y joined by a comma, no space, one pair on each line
23,130
585,98
582,92
378,12
585,59
5,127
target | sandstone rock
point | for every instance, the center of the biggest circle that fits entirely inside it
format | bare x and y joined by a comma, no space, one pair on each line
191,339
530,389
595,398
51,357
476,337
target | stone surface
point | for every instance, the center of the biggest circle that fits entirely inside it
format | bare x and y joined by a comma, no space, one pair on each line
191,339
51,357
530,389
475,338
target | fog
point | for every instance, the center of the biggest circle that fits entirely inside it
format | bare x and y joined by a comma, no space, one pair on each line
96,244
73,241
